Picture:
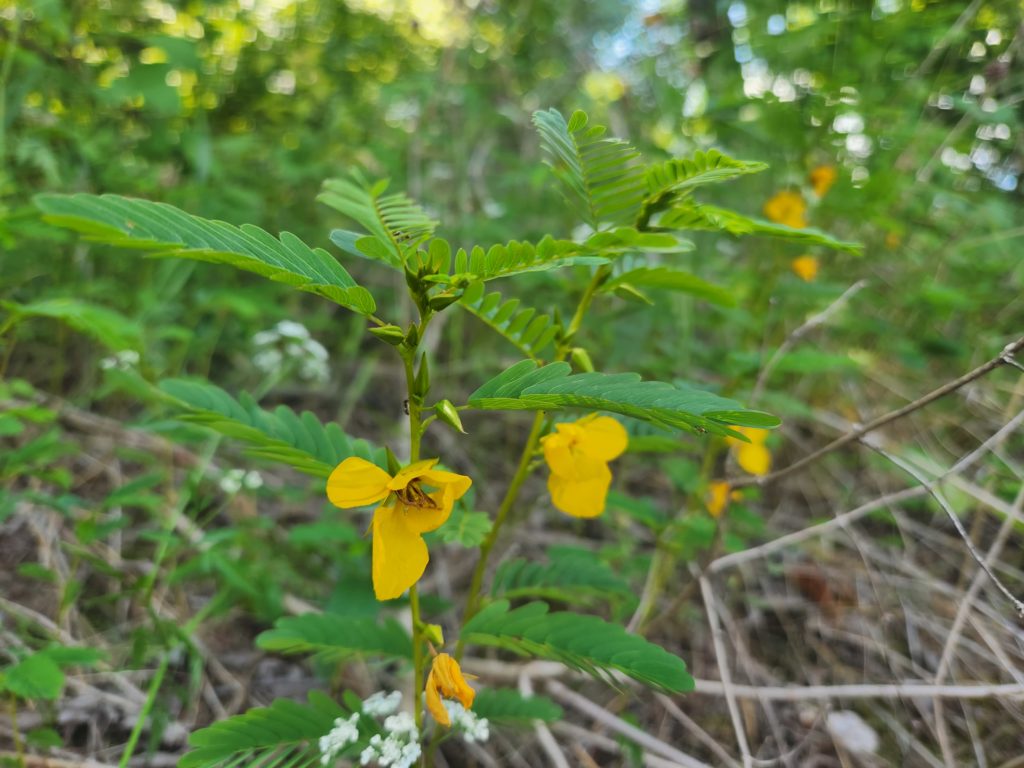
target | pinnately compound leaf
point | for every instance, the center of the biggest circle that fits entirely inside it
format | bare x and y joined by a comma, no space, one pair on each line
301,441
587,643
166,231
526,387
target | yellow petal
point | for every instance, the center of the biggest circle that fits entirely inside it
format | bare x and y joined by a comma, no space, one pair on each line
434,704
581,497
754,458
558,452
451,487
717,497
603,438
822,178
413,472
446,679
805,267
399,554
356,483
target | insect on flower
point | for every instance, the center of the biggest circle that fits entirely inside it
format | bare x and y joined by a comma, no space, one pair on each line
409,510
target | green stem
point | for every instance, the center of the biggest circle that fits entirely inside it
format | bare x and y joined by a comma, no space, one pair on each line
525,459
417,656
147,707
522,472
19,749
415,400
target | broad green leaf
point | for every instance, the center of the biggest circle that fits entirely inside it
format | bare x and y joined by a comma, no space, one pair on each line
111,329
396,224
301,441
672,280
524,386
504,706
602,178
166,231
35,677
283,735
531,333
587,643
691,215
337,637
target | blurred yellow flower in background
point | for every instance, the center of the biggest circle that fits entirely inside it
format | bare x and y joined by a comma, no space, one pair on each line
753,457
717,497
578,456
822,178
805,267
399,553
787,208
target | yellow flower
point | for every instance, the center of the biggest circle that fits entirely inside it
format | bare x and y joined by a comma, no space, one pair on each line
805,267
717,498
578,455
787,208
822,178
753,457
399,553
447,681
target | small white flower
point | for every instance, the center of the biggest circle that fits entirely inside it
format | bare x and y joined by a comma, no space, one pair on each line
341,735
381,704
473,728
231,481
292,329
268,360
124,360
401,724
252,480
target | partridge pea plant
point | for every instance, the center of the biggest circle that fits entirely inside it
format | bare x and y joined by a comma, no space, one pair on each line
582,419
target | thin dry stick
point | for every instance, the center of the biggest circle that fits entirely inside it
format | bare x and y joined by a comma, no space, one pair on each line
544,736
1006,357
908,690
699,733
897,497
609,745
714,621
951,514
606,718
961,619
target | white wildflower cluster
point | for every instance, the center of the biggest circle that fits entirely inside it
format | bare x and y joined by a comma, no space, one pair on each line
381,704
341,735
125,360
400,748
473,728
234,480
289,344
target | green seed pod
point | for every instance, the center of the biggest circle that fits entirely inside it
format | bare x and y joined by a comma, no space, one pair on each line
449,414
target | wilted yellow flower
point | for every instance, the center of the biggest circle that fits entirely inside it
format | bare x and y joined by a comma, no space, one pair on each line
399,553
787,208
753,457
578,455
822,178
446,681
805,267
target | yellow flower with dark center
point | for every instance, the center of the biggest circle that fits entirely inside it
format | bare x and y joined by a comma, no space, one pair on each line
787,208
753,457
578,456
822,178
399,553
805,267
446,681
